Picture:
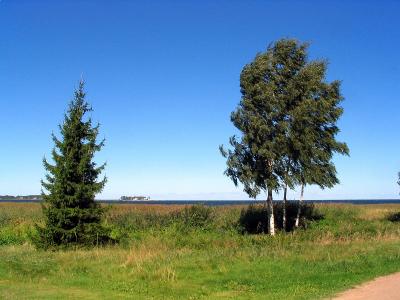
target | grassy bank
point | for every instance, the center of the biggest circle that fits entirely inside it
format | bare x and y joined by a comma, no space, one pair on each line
163,257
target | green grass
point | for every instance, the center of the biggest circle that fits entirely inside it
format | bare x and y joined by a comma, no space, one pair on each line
163,257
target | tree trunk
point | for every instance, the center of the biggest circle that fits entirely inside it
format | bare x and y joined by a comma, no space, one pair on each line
297,223
271,220
284,208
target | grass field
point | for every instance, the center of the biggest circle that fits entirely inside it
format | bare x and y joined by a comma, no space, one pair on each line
161,257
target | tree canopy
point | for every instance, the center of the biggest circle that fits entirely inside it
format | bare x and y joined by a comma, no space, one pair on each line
287,117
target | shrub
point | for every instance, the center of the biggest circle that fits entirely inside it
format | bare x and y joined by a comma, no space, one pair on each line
9,236
254,218
197,215
136,220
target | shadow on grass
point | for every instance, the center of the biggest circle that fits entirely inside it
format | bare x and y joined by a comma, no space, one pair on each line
393,217
254,219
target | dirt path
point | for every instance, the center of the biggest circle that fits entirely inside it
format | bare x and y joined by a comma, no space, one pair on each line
381,288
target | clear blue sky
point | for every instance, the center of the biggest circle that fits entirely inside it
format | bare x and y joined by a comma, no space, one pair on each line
163,77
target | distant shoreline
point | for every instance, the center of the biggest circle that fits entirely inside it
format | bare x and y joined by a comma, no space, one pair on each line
221,202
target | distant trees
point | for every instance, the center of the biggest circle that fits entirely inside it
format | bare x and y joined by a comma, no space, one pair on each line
71,214
398,182
287,116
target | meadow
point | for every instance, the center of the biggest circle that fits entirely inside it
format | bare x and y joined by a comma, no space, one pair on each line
173,252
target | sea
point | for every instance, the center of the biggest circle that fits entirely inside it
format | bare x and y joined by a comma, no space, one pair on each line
226,202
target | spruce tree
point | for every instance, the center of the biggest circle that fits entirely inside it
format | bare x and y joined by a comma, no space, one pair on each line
71,214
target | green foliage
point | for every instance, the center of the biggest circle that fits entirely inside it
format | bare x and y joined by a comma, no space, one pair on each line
398,182
71,214
287,118
253,218
16,224
10,236
200,216
194,216
133,221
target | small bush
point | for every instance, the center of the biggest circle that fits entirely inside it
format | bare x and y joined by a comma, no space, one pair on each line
194,216
393,217
254,219
199,216
9,237
134,220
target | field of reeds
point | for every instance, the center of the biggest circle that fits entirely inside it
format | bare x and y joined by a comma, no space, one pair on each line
178,252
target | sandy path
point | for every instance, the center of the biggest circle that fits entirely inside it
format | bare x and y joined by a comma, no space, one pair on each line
381,288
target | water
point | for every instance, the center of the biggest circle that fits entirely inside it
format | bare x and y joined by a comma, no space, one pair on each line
226,202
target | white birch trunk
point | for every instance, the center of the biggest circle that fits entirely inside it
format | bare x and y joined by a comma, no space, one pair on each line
284,208
271,219
297,223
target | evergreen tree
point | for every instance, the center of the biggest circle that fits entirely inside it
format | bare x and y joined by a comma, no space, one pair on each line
71,214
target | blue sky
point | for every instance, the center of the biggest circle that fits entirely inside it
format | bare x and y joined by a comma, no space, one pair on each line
163,77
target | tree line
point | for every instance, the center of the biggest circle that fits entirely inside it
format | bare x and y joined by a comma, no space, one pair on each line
287,117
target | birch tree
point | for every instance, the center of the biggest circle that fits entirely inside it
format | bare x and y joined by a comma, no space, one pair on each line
398,181
313,129
256,159
287,118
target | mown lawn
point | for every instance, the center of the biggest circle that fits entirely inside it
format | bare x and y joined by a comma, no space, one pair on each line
162,259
